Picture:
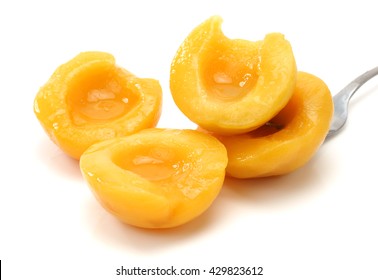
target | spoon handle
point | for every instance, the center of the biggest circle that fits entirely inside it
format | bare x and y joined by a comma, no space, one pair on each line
341,100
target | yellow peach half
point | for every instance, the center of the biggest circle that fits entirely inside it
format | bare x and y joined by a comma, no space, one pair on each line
289,140
231,86
156,178
90,99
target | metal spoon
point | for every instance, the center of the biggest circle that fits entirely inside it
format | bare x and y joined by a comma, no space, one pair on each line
341,101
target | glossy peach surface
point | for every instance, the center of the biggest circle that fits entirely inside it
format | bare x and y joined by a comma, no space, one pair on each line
90,99
156,178
289,140
231,86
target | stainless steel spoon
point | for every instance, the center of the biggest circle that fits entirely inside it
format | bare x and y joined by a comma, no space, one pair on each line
341,101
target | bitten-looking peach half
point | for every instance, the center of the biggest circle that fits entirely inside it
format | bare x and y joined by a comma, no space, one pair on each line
156,178
231,86
90,99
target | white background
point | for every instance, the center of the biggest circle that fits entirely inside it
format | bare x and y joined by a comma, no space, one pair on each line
317,223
